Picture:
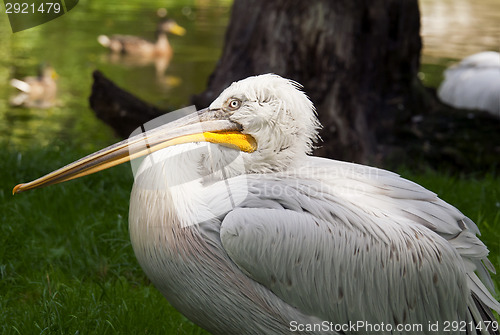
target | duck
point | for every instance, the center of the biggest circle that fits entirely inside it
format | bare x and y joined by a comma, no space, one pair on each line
139,47
36,91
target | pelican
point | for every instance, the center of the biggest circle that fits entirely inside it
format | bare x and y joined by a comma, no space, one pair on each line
474,83
244,232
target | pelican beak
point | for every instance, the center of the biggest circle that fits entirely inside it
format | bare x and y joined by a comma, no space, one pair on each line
177,30
202,126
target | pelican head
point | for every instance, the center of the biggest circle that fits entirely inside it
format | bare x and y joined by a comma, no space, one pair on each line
277,114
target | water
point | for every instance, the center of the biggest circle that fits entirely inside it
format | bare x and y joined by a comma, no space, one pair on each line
451,29
454,29
70,45
457,28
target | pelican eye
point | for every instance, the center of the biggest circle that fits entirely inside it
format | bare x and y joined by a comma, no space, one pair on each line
233,104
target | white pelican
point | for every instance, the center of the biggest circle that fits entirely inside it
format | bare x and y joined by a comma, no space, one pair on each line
474,83
245,233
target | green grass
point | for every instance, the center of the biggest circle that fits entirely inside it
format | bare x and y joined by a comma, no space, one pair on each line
67,266
66,263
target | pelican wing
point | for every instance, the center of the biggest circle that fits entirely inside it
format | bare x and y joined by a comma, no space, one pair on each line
334,239
125,43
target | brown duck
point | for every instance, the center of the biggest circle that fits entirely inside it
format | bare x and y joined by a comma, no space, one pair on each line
138,47
37,92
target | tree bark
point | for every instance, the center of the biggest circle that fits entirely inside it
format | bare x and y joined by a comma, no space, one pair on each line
358,62
118,108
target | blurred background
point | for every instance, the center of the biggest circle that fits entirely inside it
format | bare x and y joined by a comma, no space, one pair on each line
451,30
69,44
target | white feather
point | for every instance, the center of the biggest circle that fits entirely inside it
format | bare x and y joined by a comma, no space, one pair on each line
474,83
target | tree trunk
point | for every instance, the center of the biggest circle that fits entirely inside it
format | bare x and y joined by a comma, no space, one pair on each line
358,62
118,108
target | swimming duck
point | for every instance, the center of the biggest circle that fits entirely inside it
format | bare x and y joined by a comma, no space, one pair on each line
136,46
37,92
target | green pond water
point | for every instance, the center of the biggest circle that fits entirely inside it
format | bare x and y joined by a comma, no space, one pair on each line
454,29
451,29
70,45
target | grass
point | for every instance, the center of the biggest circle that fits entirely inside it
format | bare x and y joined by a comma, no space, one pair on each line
67,266
66,263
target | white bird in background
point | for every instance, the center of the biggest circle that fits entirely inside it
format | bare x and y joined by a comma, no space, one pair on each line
474,83
245,233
